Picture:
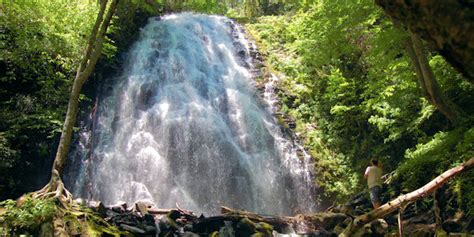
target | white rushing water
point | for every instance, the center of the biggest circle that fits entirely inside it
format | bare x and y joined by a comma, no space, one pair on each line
184,124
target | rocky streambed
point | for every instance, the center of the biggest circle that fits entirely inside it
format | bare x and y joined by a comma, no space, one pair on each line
418,219
144,219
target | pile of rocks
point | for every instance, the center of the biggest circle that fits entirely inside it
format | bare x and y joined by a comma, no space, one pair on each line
144,219
136,219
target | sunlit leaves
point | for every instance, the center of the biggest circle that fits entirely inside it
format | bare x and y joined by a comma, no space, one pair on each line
55,27
349,83
41,43
31,214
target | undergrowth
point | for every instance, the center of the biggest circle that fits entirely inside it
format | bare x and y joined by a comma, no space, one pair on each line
36,216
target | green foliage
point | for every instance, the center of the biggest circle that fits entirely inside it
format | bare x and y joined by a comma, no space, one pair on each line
428,160
467,192
348,83
27,216
38,27
206,6
7,155
42,43
202,6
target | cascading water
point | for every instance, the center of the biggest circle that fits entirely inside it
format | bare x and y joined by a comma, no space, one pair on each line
184,124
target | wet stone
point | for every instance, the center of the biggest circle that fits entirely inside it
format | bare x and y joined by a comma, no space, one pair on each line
132,229
452,226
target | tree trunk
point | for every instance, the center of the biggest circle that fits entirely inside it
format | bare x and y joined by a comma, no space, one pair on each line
427,80
393,205
85,69
446,25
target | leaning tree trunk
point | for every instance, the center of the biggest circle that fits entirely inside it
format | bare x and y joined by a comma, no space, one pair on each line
427,80
395,204
55,187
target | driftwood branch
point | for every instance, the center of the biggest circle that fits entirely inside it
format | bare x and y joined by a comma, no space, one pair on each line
395,204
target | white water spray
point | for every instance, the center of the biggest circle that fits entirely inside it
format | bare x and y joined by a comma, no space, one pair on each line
184,124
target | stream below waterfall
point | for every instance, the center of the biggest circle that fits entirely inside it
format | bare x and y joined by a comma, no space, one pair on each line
183,123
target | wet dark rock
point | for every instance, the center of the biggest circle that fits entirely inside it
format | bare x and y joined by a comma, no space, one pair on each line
256,73
165,225
208,225
336,219
189,234
265,228
379,227
470,226
241,53
188,227
365,231
359,200
359,210
146,95
328,221
174,214
101,209
150,229
287,229
391,219
149,219
421,230
246,227
323,233
452,226
118,209
132,229
427,217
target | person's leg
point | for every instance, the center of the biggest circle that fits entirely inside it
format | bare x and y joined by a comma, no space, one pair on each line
375,196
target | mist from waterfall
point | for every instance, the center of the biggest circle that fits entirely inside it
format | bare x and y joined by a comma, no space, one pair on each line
184,123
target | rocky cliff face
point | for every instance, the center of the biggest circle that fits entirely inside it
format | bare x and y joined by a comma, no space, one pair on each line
447,25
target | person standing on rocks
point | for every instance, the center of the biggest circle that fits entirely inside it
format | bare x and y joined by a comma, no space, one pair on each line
373,174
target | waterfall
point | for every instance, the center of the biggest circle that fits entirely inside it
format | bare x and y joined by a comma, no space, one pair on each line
184,123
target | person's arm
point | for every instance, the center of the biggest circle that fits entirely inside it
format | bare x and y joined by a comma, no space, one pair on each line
366,175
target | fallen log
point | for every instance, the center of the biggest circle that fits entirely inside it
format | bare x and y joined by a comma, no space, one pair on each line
395,204
160,211
278,222
300,224
273,220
